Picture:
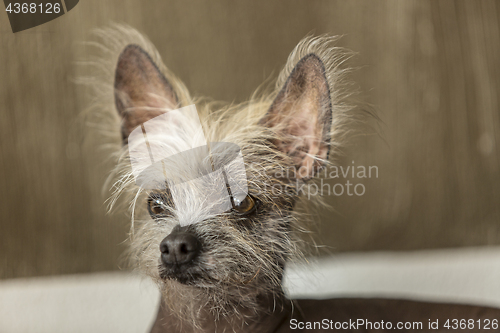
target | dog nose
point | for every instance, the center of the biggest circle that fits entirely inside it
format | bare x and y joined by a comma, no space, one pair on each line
179,248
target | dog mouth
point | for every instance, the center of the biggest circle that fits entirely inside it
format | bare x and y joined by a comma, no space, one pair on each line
186,275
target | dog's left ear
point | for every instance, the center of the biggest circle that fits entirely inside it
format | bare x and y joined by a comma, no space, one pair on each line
301,116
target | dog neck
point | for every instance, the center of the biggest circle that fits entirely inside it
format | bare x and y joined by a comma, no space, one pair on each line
274,313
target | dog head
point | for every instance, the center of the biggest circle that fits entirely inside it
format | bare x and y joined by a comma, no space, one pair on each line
203,242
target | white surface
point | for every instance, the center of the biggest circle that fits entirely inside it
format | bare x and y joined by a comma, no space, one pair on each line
469,275
122,302
94,303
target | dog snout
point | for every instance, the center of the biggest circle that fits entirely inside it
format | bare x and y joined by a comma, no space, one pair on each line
179,249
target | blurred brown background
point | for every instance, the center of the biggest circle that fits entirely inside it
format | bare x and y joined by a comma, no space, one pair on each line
429,68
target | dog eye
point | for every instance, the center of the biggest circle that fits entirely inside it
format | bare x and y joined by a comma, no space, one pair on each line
157,205
245,206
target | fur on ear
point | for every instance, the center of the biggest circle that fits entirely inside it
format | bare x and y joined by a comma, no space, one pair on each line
141,91
301,116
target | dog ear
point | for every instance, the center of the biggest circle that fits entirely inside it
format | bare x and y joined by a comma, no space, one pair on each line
141,91
301,116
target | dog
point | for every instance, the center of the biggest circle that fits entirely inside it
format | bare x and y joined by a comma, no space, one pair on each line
217,248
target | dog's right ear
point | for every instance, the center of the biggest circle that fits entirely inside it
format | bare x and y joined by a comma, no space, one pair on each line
141,91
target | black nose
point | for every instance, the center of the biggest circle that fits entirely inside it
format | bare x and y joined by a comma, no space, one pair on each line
179,248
